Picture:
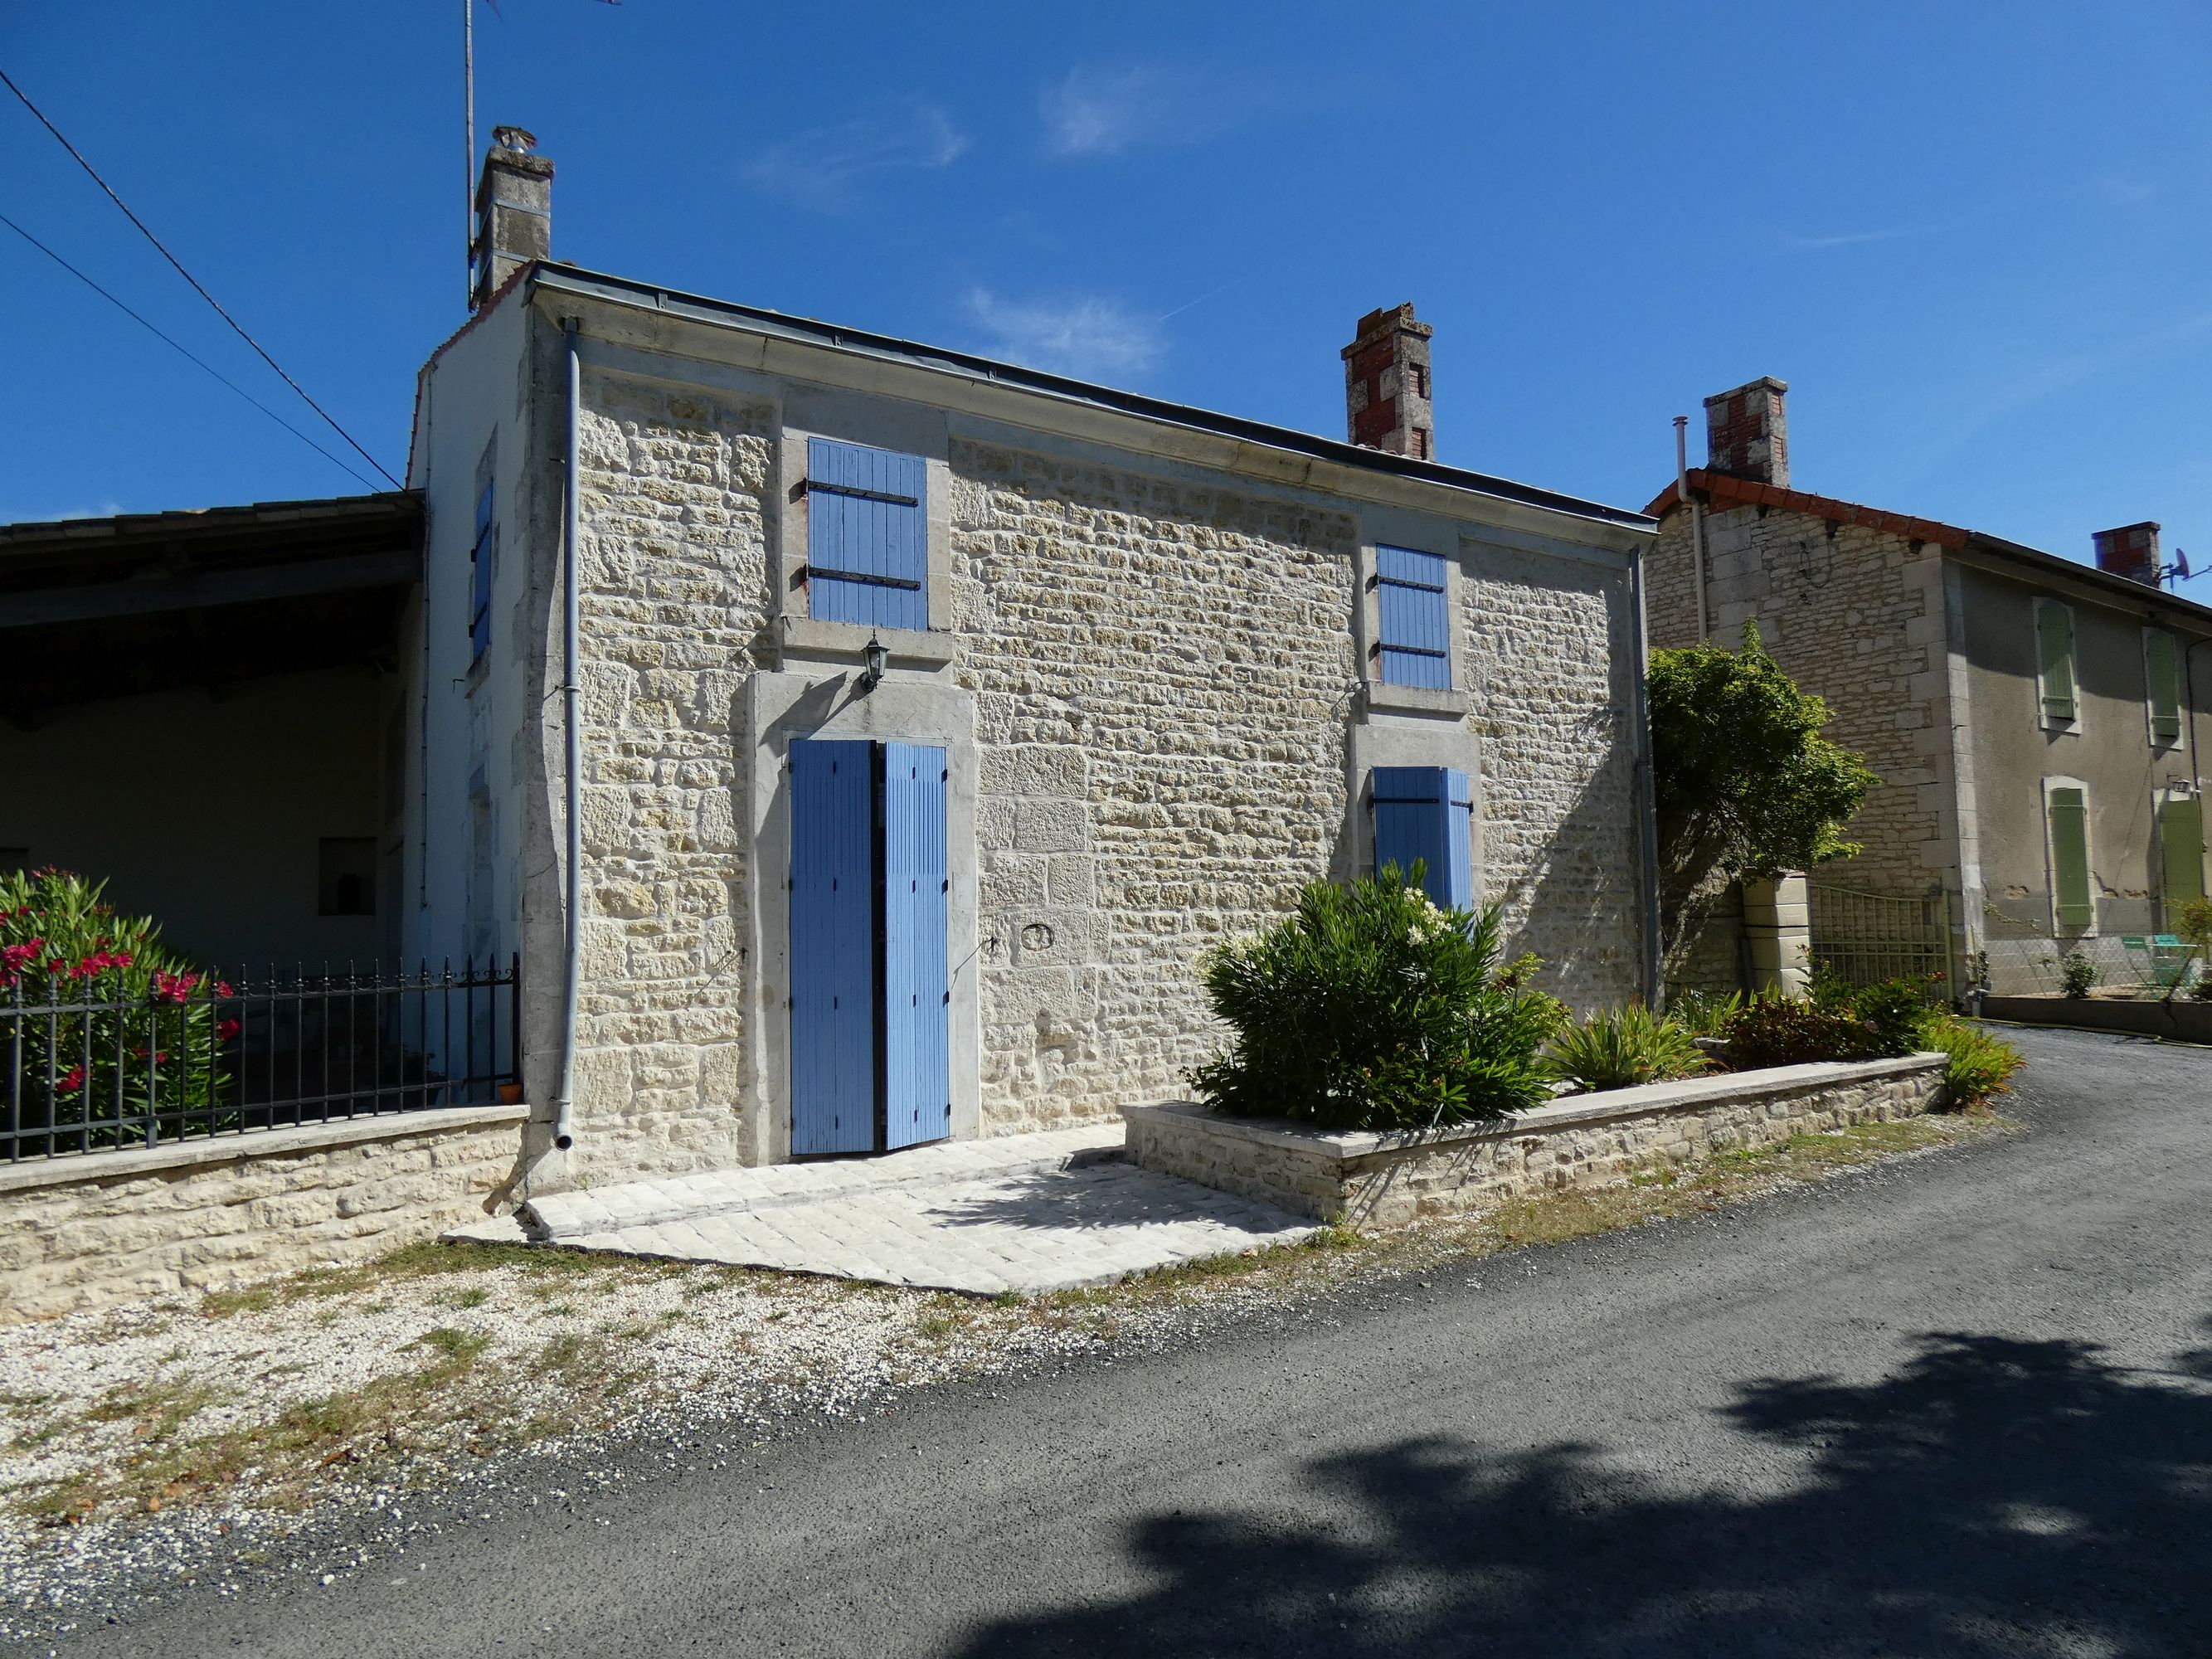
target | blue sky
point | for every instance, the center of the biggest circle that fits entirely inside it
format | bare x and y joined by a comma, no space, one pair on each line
1974,238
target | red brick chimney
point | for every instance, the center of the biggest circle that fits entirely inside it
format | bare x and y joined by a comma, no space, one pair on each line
1386,385
2130,551
1746,435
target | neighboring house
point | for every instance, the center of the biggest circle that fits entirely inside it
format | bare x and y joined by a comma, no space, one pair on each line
1140,671
2035,722
930,719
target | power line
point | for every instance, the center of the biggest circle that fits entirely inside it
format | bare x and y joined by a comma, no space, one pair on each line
334,460
94,175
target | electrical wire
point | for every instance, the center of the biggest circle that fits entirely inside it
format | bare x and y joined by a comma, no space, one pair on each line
94,175
345,466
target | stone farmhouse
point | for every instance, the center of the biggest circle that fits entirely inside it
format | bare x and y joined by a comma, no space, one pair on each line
855,743
2035,722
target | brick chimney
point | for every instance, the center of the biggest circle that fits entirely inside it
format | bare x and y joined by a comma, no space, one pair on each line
1386,385
2130,551
514,211
1746,435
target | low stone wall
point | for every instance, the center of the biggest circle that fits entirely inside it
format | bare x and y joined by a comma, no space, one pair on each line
85,1232
2182,1020
1584,1140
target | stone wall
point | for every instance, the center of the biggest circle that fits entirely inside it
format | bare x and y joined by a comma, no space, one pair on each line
1859,618
1587,1140
1164,678
1161,673
85,1233
1549,649
675,598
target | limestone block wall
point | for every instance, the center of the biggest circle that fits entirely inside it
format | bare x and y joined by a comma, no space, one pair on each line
1389,1179
1550,654
1161,673
1859,618
200,1215
674,600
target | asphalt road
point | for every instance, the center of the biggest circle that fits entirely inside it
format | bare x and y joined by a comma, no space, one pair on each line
1959,1406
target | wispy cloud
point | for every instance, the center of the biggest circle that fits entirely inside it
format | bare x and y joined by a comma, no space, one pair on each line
1848,238
825,166
1096,110
48,515
1091,337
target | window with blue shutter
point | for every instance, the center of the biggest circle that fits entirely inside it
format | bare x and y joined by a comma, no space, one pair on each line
867,540
1414,638
480,561
1426,814
871,978
917,987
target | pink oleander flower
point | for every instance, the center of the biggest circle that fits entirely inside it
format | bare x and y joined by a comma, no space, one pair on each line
226,1029
69,1081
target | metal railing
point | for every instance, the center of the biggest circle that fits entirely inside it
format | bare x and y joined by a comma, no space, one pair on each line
205,1056
1865,937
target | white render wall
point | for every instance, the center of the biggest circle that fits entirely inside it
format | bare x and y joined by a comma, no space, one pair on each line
1158,650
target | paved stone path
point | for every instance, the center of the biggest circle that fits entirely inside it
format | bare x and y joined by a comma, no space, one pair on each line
1020,1213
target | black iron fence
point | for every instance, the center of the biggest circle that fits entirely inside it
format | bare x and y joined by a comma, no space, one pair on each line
200,1055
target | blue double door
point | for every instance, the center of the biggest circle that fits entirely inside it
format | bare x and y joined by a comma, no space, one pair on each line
870,993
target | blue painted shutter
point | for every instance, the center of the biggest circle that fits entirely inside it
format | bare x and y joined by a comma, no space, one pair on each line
480,578
917,1003
1426,812
833,948
867,542
1416,640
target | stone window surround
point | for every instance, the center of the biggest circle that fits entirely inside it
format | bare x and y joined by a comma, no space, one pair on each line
2043,718
1383,526
2089,856
817,702
881,425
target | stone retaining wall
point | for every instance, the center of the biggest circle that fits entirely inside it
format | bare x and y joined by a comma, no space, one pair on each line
82,1232
2182,1020
1586,1141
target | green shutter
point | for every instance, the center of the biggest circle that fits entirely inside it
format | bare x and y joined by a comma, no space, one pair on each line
2069,858
2181,828
2054,636
2162,669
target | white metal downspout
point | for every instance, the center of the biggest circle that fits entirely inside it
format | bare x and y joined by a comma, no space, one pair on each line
563,1102
1697,519
1647,792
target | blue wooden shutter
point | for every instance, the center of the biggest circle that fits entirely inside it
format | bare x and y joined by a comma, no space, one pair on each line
833,948
480,578
1426,812
917,1002
1416,634
867,540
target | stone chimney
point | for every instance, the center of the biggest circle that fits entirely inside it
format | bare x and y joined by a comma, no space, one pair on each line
1386,385
514,211
1746,435
2130,551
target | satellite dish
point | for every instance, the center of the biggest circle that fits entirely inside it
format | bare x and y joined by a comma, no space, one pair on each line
2181,564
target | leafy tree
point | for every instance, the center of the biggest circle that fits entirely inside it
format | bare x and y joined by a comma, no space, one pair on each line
1744,783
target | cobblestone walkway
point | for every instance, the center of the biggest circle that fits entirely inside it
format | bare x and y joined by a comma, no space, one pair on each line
1021,1213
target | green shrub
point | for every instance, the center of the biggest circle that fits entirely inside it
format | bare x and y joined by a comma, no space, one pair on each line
2076,973
1701,1014
1872,1022
1621,1049
1979,1064
1370,1008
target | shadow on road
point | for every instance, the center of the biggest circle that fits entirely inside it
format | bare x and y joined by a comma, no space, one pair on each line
1990,1498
